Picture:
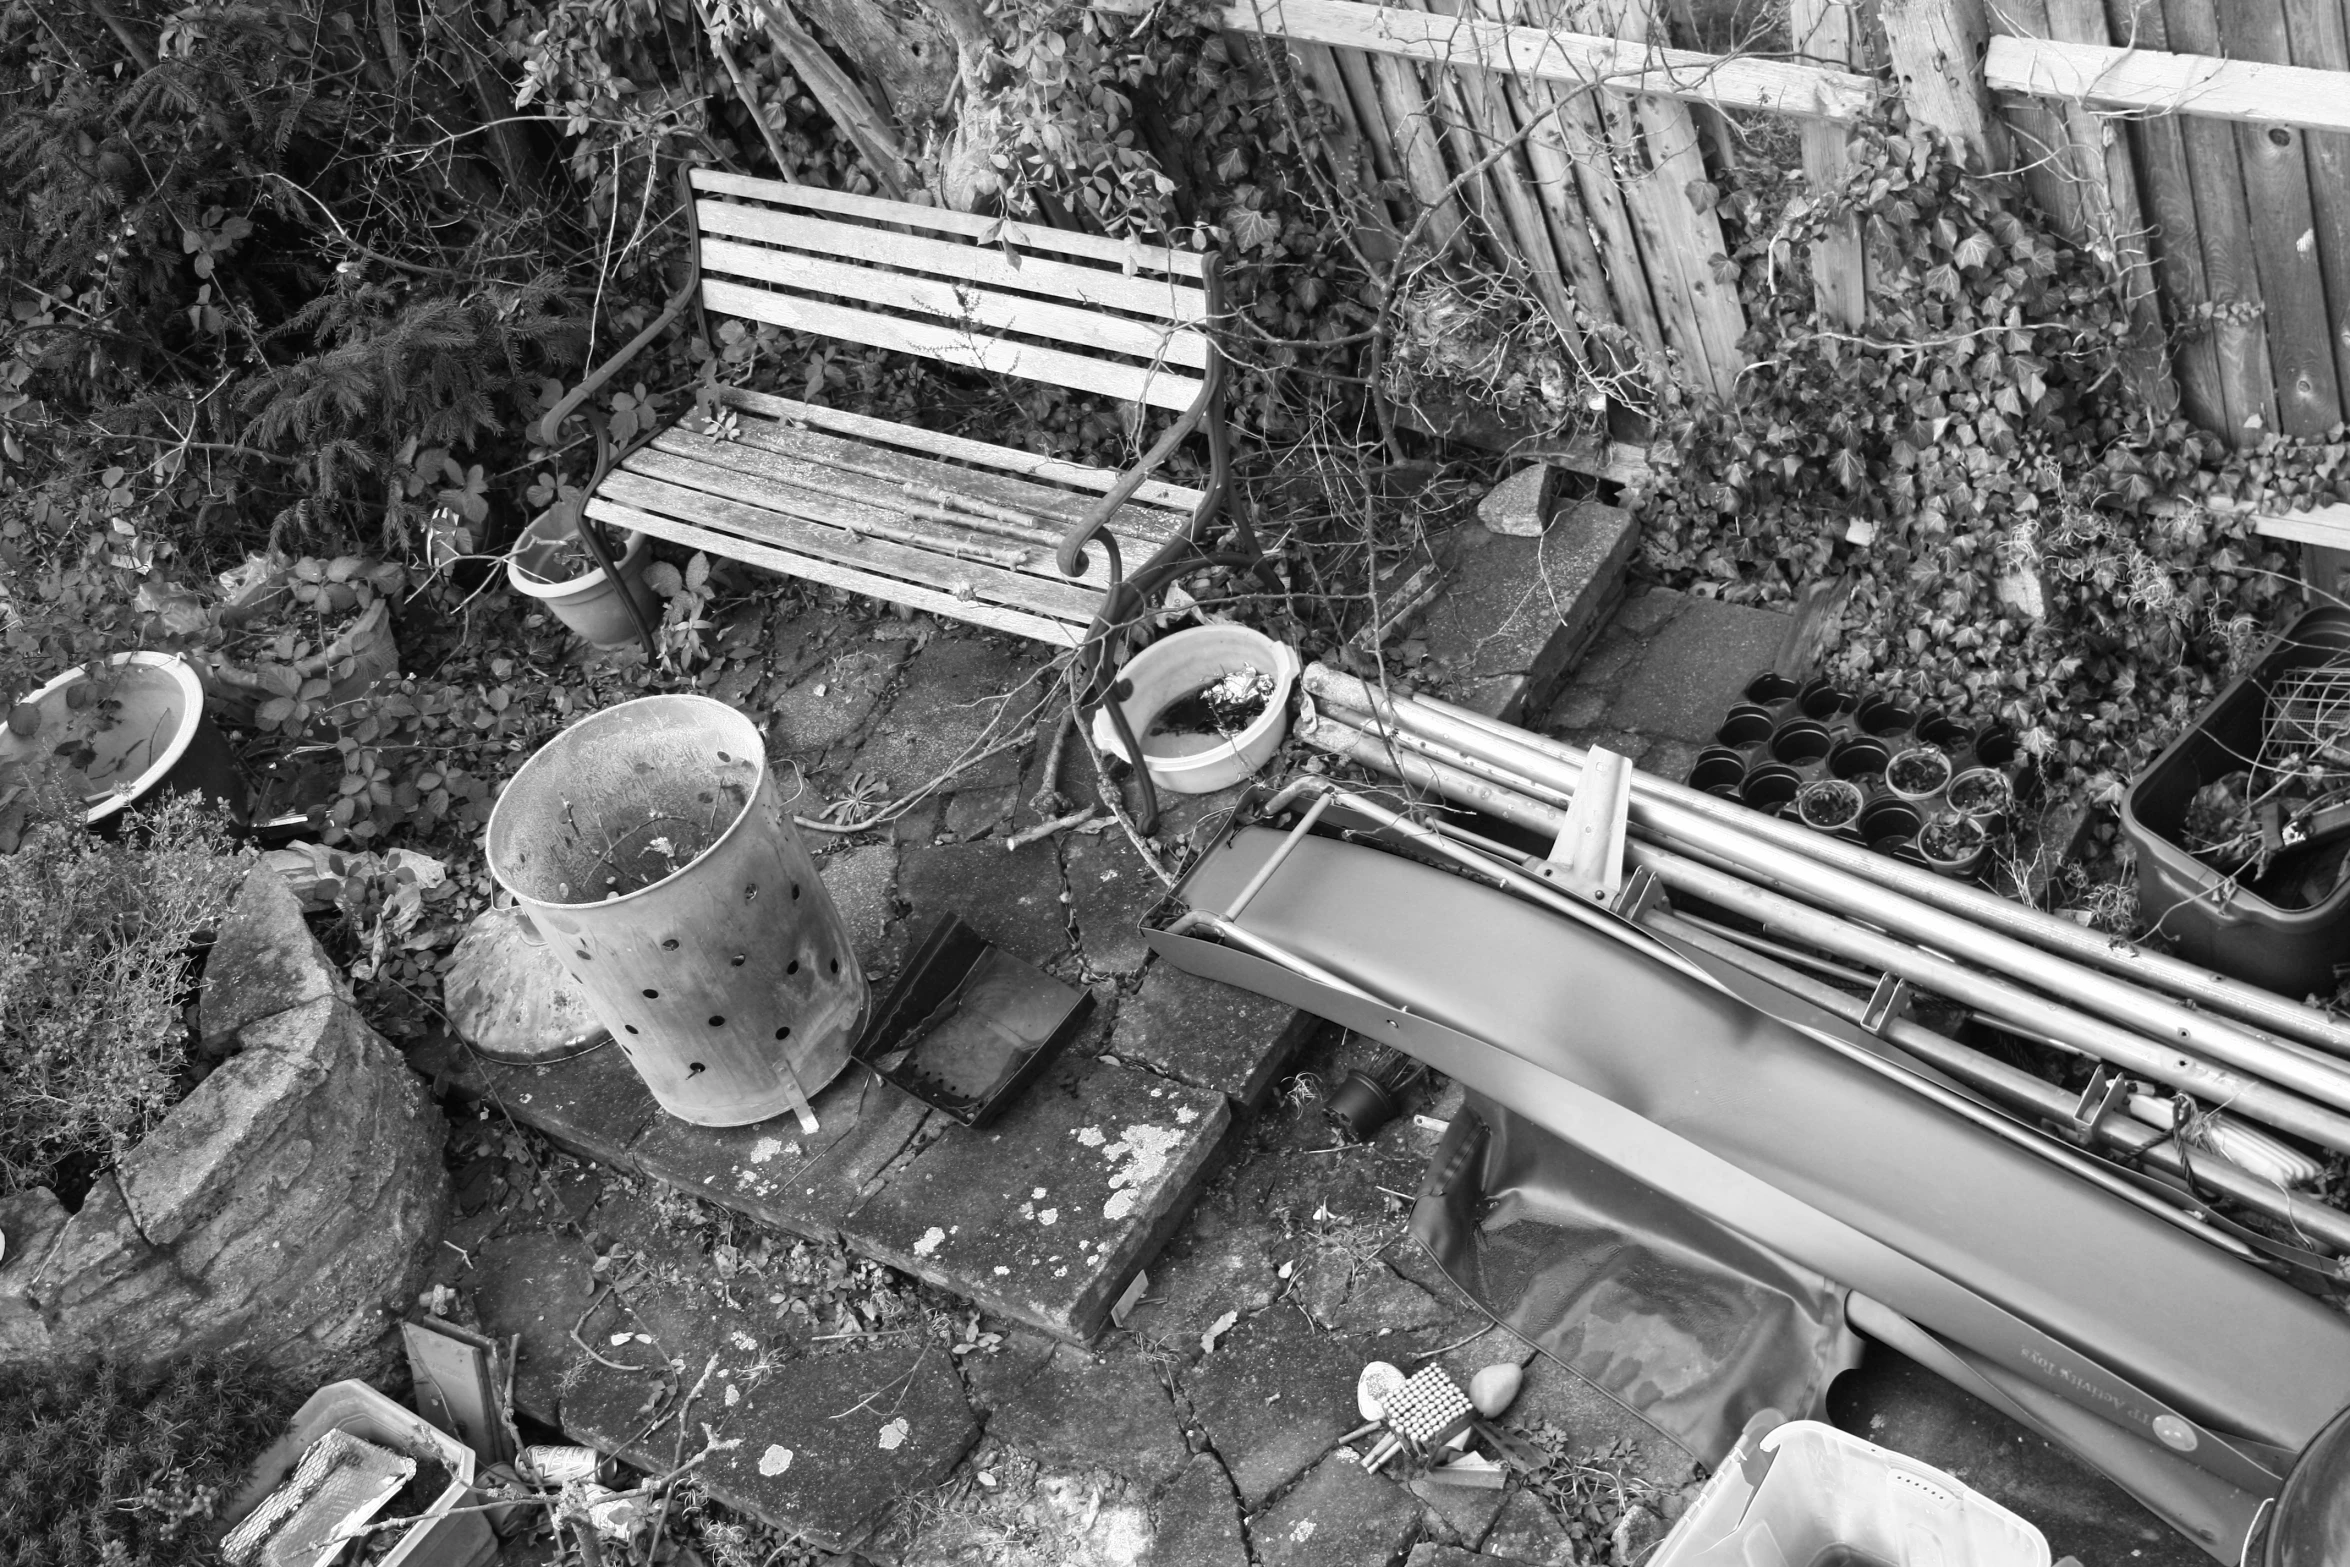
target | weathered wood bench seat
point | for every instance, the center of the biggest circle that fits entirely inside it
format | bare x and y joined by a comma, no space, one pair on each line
959,527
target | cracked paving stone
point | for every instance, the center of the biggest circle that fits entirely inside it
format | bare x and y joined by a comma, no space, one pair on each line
1696,667
1458,1514
1043,1216
1273,1397
535,1286
1198,1520
1379,1302
1212,1267
829,1442
1084,1412
953,690
780,1175
1644,611
1526,1532
992,1376
863,886
1110,890
1338,1516
593,1105
1430,1554
832,701
1209,1034
1011,899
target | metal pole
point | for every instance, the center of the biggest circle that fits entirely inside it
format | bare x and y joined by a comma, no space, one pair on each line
2250,1003
1507,758
2247,1096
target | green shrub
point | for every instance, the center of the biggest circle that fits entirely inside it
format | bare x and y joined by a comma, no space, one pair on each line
94,940
105,1466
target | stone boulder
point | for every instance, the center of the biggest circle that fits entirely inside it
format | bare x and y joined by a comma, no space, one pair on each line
285,1208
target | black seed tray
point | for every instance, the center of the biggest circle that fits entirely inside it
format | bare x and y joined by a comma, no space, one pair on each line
1784,741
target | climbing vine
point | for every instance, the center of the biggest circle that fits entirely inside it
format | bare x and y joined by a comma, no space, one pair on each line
2023,533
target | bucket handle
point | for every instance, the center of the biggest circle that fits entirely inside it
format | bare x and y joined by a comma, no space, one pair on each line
523,923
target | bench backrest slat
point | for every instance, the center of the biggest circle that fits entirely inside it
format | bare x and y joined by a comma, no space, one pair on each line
1090,313
945,220
954,345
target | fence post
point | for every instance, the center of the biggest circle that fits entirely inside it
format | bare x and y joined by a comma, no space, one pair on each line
1937,52
1823,30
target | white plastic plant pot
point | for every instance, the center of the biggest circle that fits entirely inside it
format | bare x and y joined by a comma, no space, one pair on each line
441,1536
1184,664
587,602
155,740
1801,1493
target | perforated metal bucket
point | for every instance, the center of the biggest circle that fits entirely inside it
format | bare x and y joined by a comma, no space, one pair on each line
651,847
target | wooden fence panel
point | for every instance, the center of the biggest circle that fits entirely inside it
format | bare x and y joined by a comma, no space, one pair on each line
1826,31
2320,34
2174,238
2284,240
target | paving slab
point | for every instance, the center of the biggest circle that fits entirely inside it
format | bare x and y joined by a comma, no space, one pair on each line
1118,1153
536,1286
1516,613
1526,1532
1212,1267
1209,1034
1430,1554
1044,1216
1012,899
1694,667
593,1105
1197,1521
829,1442
1338,1516
1086,1411
1273,1397
1458,1514
862,882
1110,890
952,692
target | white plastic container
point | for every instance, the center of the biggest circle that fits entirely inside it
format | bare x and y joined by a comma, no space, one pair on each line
160,740
1803,1494
440,1538
1189,660
587,602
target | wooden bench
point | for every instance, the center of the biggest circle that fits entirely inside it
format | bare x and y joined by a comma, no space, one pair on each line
959,527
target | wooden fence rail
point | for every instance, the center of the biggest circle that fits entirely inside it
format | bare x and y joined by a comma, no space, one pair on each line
2201,146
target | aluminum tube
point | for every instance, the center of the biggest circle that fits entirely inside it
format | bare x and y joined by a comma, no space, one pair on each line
2315,1220
2284,1062
2249,1003
2247,1096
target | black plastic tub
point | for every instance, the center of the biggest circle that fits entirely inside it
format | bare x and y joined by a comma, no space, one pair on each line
2241,934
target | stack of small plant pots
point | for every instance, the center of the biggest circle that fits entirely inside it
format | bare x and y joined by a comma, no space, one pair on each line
1929,787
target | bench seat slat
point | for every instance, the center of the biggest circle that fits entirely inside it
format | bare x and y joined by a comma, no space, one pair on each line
966,307
1030,361
1155,298
1061,509
1020,233
959,448
812,568
749,473
720,499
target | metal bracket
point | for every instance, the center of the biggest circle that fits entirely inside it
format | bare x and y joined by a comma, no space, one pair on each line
2105,1090
1588,855
1641,893
1887,1003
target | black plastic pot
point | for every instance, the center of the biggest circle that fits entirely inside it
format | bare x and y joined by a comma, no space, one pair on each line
1768,688
1747,724
1799,741
1823,698
1886,819
1995,745
1882,716
1770,786
1938,728
2243,935
1718,767
1861,756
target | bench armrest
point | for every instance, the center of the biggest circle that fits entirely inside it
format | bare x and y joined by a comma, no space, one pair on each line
1097,517
552,422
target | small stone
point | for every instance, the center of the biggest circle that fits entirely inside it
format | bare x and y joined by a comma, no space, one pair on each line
1519,506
